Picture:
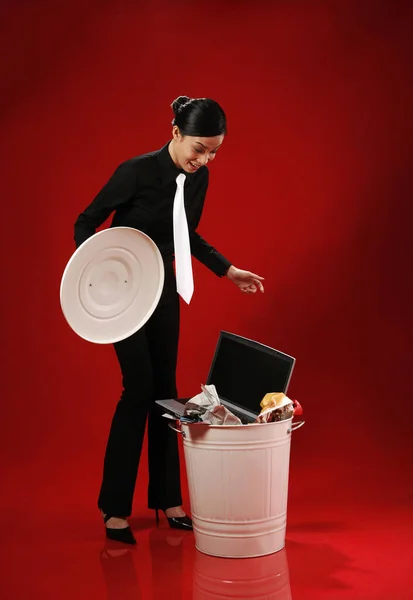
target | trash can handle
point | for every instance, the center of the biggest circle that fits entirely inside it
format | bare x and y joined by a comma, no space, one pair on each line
293,427
177,430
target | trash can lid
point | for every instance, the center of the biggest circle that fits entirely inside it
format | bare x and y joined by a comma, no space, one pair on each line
112,285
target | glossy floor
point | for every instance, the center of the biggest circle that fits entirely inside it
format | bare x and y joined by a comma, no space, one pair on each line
335,553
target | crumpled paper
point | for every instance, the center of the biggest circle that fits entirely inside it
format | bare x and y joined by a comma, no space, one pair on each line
207,406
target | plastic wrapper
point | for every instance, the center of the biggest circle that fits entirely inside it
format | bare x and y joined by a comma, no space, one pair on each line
278,407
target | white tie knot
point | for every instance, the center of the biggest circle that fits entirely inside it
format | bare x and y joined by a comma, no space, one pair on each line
180,180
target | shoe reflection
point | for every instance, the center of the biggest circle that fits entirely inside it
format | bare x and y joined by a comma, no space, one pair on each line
263,578
119,572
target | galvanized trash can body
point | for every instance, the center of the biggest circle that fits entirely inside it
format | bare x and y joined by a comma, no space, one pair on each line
238,486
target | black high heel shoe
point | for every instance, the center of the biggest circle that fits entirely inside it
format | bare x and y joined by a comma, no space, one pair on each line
175,522
124,535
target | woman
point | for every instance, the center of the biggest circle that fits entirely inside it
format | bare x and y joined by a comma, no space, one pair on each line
141,193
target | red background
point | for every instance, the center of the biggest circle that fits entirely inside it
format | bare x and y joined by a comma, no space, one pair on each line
312,189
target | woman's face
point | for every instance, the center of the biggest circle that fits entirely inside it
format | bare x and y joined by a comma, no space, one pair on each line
191,152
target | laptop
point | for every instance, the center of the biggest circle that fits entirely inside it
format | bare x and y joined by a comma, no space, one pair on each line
242,371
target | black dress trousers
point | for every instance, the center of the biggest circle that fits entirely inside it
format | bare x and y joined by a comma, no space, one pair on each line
148,362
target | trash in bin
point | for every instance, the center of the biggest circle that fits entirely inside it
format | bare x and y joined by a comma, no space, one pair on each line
207,407
278,407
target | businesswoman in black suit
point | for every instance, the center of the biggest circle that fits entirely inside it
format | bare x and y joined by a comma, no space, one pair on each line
141,194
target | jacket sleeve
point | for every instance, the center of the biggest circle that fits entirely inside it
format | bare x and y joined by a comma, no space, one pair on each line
201,249
120,188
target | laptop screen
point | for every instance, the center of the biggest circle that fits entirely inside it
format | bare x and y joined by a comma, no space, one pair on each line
243,371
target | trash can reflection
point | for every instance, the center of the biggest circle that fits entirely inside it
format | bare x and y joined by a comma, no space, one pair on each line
262,578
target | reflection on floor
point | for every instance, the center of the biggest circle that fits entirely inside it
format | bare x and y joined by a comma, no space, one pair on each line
330,554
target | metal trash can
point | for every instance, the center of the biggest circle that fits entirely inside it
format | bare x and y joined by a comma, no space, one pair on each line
238,486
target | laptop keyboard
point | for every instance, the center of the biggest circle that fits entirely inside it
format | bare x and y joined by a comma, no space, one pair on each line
178,407
242,416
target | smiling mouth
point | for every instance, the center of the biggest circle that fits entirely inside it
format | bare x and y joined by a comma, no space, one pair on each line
194,166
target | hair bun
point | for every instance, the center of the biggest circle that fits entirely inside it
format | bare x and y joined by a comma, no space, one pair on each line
178,102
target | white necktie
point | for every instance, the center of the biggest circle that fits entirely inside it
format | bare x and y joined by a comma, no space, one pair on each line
183,261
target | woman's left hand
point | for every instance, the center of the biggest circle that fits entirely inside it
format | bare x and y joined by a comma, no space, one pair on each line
246,281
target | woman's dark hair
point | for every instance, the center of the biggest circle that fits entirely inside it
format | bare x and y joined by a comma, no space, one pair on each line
201,117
